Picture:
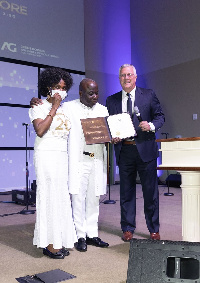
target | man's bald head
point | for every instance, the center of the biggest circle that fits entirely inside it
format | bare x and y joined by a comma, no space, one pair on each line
88,91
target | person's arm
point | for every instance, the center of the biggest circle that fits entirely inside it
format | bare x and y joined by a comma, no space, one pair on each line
157,116
42,126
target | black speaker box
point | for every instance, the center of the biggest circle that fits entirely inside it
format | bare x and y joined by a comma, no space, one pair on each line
173,180
20,197
152,261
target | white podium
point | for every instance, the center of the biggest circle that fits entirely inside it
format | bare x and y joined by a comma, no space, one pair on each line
183,155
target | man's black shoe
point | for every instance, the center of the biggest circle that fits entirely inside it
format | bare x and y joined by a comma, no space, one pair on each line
65,251
58,255
81,246
97,242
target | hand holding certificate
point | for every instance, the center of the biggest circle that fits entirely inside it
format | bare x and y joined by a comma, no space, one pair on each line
103,129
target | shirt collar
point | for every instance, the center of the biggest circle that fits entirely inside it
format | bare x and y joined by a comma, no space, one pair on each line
86,107
132,93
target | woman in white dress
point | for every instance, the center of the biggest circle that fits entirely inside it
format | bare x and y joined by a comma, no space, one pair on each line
54,227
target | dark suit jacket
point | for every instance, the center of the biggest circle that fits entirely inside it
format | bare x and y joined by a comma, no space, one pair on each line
150,110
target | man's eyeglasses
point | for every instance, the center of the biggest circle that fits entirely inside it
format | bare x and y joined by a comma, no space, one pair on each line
129,75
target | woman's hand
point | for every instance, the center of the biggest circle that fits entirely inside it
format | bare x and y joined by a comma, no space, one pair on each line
56,100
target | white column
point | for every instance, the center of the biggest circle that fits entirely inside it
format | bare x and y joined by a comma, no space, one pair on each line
190,206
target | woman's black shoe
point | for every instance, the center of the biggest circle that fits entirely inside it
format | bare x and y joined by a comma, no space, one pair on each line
58,255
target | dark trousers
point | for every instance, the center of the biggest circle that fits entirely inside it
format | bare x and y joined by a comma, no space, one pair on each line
129,164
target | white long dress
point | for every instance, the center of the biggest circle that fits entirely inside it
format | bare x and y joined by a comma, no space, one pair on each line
54,222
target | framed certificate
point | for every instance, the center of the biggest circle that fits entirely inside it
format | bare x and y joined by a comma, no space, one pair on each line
121,126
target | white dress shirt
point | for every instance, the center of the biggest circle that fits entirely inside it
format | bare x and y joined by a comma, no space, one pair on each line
124,104
125,98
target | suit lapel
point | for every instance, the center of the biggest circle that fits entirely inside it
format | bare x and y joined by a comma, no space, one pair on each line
118,102
138,93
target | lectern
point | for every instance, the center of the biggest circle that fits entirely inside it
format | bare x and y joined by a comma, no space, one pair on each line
183,155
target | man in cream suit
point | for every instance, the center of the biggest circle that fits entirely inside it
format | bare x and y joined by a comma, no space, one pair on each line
87,166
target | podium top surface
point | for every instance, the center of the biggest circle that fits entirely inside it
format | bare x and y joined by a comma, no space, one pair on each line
178,139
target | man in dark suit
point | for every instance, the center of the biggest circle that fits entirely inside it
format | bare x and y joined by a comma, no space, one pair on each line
138,154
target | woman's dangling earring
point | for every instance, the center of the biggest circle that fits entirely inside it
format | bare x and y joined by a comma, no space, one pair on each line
48,94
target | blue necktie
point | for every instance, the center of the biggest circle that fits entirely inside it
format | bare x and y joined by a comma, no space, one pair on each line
129,104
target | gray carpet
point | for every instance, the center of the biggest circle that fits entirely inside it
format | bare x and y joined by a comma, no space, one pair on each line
20,258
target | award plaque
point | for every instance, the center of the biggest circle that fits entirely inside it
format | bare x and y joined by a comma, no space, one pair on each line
96,130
